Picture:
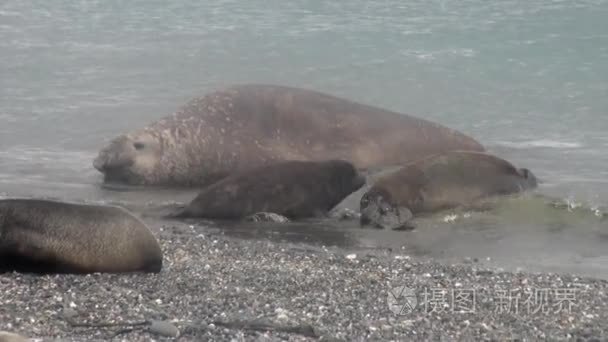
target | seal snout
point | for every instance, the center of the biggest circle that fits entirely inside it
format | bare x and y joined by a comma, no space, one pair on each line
530,178
378,213
112,165
99,163
116,156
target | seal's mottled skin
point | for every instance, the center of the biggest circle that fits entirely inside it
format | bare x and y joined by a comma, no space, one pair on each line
440,182
58,237
295,189
250,125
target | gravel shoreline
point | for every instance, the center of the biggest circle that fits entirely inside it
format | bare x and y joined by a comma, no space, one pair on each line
219,288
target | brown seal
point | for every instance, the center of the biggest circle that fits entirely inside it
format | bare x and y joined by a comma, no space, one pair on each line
295,189
45,236
250,125
444,181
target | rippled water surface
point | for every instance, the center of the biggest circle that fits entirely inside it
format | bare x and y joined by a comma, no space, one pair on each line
529,79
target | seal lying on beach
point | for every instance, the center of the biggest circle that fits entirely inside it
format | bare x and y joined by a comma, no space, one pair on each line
250,125
439,182
46,236
295,189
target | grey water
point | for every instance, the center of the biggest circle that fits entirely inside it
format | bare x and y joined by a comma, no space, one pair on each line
527,78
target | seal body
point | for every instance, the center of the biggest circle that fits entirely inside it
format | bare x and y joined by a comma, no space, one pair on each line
294,189
250,125
440,182
46,236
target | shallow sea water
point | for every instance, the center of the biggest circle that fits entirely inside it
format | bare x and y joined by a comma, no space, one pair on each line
528,79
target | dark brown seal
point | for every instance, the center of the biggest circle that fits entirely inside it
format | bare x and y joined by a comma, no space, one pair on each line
246,126
46,236
439,182
295,189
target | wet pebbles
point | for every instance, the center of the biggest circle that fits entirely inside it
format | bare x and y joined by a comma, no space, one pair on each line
217,288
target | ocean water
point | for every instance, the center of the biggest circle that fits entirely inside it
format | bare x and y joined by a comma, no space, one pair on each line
528,79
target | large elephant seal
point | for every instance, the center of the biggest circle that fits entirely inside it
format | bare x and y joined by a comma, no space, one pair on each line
448,180
45,236
250,125
295,189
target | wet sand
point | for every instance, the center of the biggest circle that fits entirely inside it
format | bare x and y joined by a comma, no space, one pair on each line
218,286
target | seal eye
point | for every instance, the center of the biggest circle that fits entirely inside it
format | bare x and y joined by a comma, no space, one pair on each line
138,146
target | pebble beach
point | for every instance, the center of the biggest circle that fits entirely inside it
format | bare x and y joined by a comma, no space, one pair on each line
215,287
527,79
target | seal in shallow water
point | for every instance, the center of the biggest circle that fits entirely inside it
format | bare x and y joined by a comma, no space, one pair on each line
295,189
58,237
250,125
439,182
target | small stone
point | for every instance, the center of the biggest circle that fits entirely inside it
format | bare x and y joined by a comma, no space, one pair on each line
586,332
345,214
69,313
6,336
450,218
485,327
164,328
351,256
484,272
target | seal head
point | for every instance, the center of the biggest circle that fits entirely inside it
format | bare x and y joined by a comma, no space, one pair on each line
131,159
379,211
